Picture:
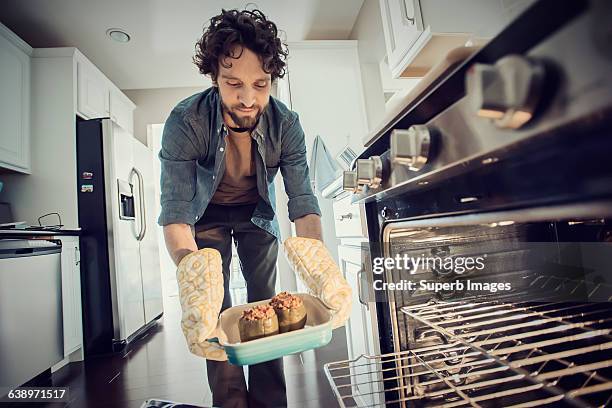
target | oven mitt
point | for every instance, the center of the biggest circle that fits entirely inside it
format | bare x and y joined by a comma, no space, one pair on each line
200,281
316,268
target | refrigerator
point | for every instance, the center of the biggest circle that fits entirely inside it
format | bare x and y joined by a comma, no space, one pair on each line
120,268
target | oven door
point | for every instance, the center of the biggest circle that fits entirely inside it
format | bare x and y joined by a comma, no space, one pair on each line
496,309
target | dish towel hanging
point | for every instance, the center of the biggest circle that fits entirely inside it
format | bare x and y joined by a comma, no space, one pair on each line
324,168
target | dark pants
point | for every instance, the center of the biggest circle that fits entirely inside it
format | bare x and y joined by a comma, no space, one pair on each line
257,250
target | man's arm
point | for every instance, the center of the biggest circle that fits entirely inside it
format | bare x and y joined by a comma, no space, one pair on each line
178,156
179,241
309,226
303,207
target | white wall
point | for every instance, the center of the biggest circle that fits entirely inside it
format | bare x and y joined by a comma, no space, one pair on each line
326,92
154,105
368,32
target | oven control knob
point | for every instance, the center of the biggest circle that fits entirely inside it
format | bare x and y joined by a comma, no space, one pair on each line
369,172
349,181
507,92
411,147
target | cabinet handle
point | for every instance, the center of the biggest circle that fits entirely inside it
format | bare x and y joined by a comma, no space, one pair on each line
77,256
359,288
347,216
404,8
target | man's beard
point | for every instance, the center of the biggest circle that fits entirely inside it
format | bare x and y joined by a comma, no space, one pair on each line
244,122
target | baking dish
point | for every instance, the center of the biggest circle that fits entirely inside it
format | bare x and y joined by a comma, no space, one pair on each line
316,333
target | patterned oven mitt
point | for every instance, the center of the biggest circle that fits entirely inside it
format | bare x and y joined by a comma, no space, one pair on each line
200,281
316,268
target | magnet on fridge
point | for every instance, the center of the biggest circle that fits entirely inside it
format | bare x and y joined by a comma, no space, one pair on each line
86,188
86,175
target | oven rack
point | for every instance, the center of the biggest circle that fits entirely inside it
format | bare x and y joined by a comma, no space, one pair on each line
489,354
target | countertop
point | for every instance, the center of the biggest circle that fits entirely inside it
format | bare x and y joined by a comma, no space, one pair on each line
25,233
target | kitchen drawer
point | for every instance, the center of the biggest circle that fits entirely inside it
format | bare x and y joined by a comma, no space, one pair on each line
347,218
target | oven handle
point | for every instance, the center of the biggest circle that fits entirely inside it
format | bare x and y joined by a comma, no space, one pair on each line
359,288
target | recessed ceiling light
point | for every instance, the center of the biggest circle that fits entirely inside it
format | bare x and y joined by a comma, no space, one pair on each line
118,35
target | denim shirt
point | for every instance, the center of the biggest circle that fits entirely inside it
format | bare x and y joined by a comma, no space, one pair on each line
192,159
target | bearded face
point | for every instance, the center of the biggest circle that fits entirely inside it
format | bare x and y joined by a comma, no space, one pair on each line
244,87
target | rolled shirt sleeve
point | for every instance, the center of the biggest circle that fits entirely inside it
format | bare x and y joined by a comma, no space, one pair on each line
178,156
294,168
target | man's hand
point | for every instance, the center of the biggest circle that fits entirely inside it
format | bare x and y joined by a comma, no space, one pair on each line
179,241
309,226
200,279
316,268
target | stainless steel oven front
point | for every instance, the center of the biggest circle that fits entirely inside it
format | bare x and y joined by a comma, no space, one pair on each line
489,219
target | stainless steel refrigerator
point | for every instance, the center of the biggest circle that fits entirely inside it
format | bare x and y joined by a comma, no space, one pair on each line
120,268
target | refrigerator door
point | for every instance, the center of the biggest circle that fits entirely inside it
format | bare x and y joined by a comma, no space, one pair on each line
146,224
127,279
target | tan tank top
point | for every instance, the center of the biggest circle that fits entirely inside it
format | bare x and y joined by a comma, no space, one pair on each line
239,182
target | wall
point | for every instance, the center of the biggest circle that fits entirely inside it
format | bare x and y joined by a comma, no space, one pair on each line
326,92
154,105
368,32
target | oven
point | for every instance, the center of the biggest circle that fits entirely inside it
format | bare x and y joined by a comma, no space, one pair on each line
488,209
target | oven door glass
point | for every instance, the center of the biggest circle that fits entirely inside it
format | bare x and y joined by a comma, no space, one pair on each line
511,307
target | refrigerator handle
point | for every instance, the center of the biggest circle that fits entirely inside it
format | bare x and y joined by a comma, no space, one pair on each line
141,204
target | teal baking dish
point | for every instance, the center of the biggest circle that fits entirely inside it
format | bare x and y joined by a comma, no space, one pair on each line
316,333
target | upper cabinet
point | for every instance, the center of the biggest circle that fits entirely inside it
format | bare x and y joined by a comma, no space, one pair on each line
97,97
418,33
400,29
122,110
93,94
14,102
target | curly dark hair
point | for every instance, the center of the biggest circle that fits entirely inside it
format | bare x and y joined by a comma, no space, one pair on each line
247,28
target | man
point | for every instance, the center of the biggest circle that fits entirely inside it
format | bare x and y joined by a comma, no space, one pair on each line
221,150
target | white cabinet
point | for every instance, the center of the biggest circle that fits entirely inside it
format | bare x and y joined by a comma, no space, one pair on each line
122,110
97,97
14,102
418,33
400,29
71,294
92,92
361,333
347,218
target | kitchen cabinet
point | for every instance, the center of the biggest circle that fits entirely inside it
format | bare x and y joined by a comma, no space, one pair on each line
65,86
121,110
347,218
362,335
400,29
418,33
362,326
14,102
92,92
71,294
97,97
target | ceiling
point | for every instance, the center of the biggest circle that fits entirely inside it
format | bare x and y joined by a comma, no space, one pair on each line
163,32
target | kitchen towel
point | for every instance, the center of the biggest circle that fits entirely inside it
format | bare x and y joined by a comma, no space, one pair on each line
323,167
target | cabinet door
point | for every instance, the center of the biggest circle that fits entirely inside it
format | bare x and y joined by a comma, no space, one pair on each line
347,218
401,28
357,335
14,105
71,294
93,92
121,110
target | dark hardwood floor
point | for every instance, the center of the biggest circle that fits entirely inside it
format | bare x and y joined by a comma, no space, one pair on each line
160,366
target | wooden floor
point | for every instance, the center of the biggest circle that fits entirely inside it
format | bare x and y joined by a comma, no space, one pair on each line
160,366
